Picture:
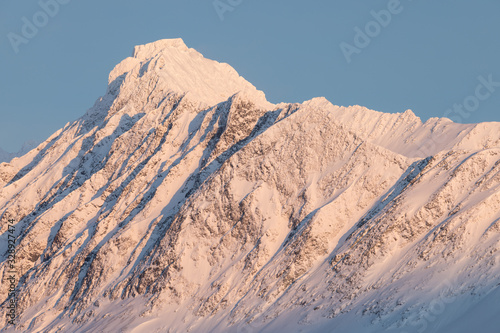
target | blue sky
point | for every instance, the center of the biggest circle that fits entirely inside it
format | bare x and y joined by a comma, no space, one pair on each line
428,56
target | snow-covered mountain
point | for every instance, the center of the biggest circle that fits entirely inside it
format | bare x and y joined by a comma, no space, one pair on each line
183,201
25,148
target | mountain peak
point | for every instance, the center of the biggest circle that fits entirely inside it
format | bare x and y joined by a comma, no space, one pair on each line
176,68
149,50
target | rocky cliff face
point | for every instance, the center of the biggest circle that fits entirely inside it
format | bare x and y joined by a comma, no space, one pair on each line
184,201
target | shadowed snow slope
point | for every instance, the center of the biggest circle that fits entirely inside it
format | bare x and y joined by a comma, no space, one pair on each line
184,201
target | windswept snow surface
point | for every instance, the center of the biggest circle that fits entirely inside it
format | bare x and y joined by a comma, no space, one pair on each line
26,147
183,201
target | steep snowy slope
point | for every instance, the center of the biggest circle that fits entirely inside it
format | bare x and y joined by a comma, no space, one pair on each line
184,201
26,147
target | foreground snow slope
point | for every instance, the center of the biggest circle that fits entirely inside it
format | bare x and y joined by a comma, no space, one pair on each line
184,201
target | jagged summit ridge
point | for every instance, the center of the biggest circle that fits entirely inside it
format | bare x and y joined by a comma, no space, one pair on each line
175,67
149,50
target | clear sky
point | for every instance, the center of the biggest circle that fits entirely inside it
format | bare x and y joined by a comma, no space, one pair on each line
390,56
